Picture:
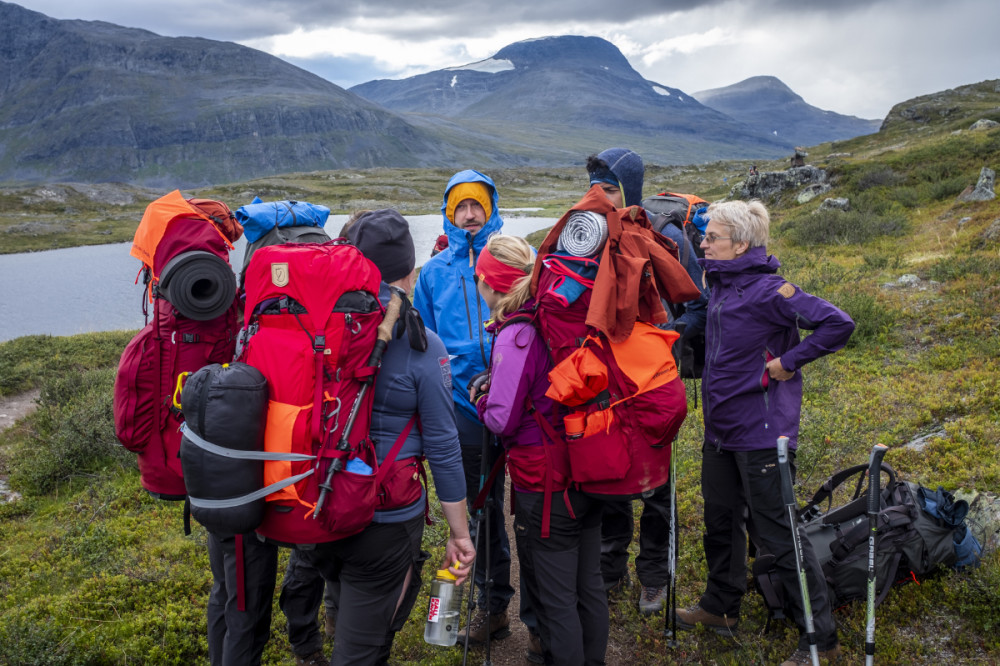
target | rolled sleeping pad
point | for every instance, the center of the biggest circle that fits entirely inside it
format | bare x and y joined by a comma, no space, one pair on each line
200,285
225,409
584,234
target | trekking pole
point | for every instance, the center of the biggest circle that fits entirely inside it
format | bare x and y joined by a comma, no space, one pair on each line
472,593
670,621
482,506
487,507
874,504
384,336
791,506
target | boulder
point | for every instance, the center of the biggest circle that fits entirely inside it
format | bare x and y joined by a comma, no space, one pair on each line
812,191
770,184
984,124
983,191
838,203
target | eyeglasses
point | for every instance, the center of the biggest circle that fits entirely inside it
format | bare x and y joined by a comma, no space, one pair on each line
711,238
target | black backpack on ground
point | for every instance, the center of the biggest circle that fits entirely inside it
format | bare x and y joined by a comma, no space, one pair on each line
919,532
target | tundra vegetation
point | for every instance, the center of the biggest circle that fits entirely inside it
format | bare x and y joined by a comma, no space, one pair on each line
94,571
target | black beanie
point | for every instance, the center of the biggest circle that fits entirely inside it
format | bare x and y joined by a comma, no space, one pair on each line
383,236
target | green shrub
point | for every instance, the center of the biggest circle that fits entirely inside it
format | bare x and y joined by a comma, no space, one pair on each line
872,320
964,266
827,227
72,433
877,176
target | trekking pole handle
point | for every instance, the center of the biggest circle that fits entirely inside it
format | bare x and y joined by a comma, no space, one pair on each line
874,485
787,492
385,329
874,475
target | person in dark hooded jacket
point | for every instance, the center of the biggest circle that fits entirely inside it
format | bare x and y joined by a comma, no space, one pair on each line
620,173
751,395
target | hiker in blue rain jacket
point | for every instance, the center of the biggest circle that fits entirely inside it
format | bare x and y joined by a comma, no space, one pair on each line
751,395
447,299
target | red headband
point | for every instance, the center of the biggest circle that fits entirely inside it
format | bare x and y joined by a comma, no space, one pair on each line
496,274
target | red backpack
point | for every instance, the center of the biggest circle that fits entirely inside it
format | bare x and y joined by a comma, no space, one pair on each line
194,323
625,400
312,317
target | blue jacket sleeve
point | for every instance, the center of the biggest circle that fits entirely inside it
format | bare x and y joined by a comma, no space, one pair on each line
422,300
696,311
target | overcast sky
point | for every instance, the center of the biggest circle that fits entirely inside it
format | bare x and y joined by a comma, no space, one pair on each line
857,57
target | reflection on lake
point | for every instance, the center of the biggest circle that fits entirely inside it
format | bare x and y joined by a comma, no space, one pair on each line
93,288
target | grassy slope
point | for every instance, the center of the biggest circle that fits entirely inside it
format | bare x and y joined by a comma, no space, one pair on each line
93,571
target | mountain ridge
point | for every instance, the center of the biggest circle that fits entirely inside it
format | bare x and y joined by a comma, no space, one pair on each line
768,105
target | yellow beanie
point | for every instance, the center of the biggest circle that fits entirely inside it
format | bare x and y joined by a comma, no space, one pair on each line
476,191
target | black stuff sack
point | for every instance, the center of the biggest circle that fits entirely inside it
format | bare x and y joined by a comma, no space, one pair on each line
225,409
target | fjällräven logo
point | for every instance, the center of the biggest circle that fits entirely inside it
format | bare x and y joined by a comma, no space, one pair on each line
279,274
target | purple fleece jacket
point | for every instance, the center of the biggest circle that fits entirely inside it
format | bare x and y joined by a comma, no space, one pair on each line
519,367
755,315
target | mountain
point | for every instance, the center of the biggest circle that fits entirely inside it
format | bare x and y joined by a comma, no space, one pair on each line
92,101
89,101
572,96
771,107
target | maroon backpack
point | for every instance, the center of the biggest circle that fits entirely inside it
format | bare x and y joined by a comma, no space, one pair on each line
624,399
184,246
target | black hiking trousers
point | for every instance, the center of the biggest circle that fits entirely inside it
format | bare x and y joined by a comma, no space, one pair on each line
237,637
652,564
742,485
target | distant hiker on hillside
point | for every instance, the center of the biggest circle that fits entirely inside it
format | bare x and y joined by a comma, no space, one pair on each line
378,570
751,394
447,298
753,180
558,528
620,173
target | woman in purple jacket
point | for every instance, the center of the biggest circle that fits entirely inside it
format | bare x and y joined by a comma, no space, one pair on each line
752,394
557,529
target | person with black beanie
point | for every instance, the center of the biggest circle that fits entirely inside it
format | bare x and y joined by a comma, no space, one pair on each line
378,570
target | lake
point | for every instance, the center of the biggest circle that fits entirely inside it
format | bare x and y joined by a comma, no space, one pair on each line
93,288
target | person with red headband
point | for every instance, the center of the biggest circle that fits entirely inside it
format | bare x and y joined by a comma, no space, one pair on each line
557,529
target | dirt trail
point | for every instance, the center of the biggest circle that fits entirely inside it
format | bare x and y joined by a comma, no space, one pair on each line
13,408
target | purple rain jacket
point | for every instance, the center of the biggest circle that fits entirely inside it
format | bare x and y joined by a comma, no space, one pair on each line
519,367
753,316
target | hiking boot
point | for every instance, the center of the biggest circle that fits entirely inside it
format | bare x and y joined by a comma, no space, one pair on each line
619,589
534,652
499,627
315,659
652,600
330,624
688,618
803,658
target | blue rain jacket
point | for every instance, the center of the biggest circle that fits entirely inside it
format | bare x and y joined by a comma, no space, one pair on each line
448,300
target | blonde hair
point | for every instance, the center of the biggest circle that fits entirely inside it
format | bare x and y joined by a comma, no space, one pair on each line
512,251
747,221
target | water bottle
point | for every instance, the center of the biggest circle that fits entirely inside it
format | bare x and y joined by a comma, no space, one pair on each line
443,610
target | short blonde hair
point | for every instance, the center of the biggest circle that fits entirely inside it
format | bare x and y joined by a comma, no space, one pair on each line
748,221
516,252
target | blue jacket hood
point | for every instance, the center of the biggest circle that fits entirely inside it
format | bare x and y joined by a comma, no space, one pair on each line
460,240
